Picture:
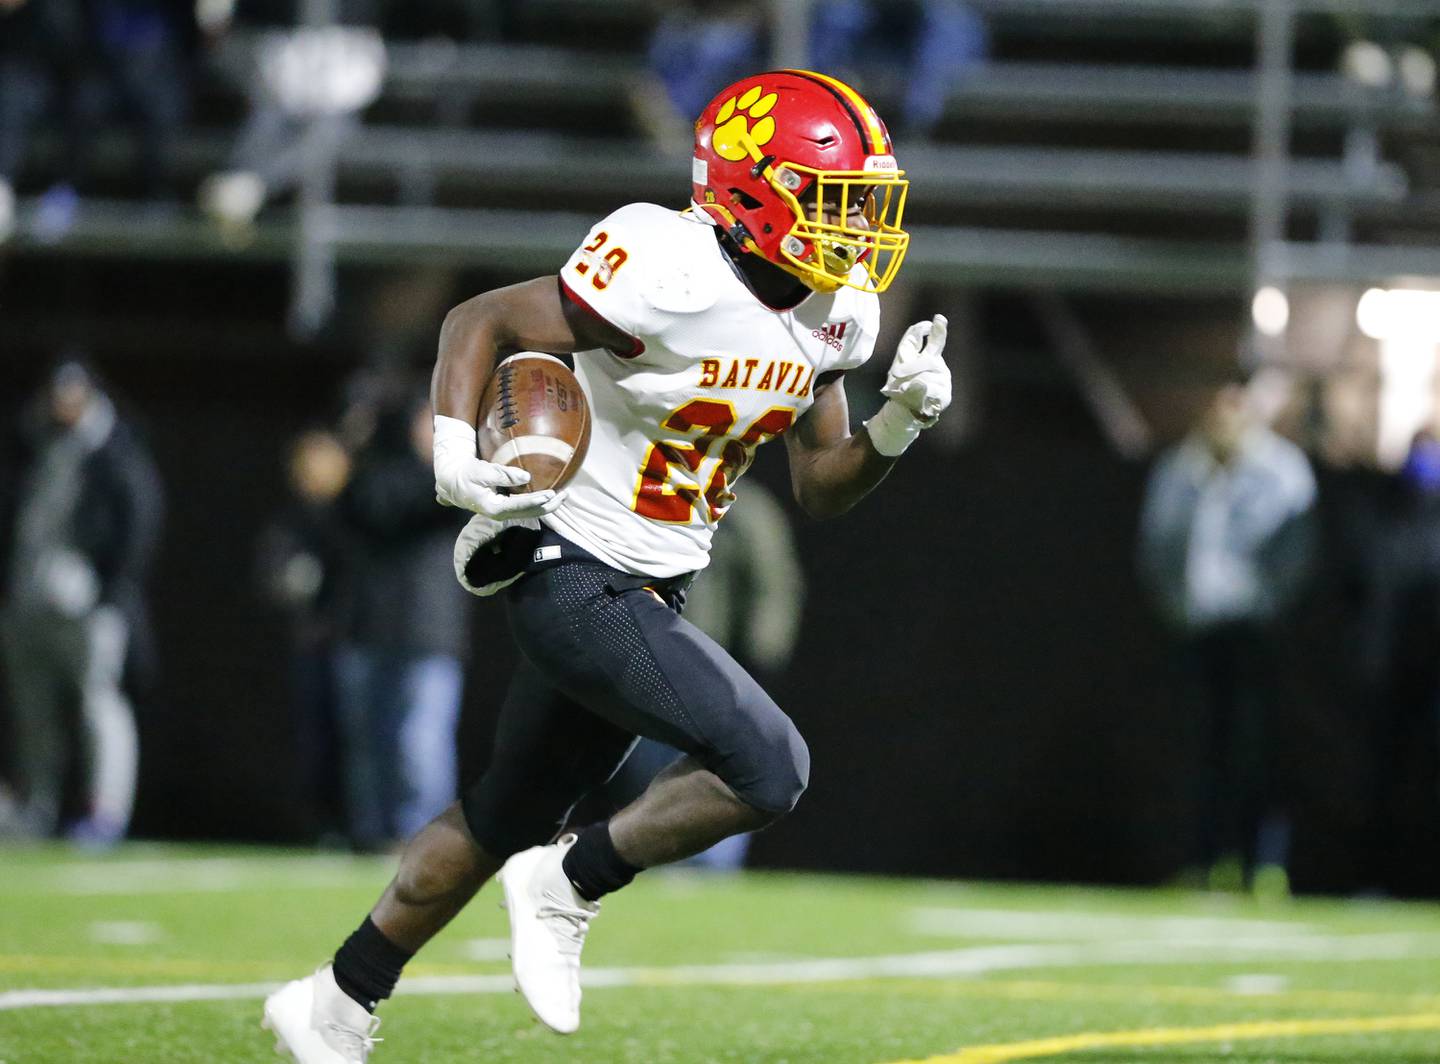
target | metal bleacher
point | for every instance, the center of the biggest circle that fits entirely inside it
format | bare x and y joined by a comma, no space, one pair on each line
1009,89
1131,172
492,165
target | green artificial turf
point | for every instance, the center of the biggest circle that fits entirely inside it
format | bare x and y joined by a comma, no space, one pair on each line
719,968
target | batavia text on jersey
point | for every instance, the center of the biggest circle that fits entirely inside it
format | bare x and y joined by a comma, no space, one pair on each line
792,378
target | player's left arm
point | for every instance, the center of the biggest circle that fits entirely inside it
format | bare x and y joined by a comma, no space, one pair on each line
831,469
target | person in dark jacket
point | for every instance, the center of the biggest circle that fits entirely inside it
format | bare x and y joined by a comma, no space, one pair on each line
302,571
86,61
146,51
83,529
44,56
1227,543
404,640
1395,636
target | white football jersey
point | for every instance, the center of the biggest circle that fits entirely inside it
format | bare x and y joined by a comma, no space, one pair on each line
713,373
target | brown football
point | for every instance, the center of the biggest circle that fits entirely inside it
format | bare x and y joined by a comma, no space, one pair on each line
534,416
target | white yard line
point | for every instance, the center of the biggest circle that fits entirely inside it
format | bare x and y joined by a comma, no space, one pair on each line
132,995
939,964
125,932
1257,984
486,949
1059,925
206,875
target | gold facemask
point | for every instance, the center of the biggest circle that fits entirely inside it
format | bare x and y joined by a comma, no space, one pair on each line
836,244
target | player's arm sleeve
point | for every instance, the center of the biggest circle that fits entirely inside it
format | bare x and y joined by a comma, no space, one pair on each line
607,276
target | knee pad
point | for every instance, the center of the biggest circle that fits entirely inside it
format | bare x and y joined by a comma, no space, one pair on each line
780,773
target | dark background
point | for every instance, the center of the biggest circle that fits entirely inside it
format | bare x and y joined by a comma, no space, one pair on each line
983,688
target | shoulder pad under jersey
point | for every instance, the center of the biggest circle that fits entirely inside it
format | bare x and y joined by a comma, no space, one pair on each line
679,279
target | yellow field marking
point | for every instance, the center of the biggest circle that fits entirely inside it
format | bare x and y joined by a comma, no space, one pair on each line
1176,1036
1037,990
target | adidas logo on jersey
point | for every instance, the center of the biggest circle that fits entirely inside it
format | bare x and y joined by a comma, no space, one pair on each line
833,333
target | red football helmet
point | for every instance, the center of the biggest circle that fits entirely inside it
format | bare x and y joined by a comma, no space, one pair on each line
799,170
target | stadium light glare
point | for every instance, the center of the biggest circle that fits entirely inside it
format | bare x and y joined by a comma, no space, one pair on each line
1406,322
1270,310
1408,316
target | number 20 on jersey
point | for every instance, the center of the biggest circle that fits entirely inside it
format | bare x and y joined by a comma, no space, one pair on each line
660,500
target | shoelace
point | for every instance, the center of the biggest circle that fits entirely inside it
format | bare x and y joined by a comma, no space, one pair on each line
359,1043
567,922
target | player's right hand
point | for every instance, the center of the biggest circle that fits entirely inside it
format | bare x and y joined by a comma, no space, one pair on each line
464,480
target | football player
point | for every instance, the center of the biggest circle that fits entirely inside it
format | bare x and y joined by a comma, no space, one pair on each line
698,335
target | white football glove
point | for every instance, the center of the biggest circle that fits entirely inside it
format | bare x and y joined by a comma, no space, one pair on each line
917,387
919,380
463,480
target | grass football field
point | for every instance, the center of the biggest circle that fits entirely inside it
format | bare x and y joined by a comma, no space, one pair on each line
154,955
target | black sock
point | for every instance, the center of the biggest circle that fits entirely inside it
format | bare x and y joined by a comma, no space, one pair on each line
592,865
367,966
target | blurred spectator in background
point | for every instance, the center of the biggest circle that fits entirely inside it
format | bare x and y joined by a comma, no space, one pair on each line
146,50
302,571
920,48
43,52
1226,544
89,60
932,43
749,599
307,87
695,50
405,637
1399,644
83,524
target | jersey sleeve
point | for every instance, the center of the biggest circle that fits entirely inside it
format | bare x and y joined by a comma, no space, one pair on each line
609,275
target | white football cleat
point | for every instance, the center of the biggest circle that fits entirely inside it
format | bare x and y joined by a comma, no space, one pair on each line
548,921
316,1022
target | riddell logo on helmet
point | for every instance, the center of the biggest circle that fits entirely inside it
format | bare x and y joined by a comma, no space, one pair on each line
833,333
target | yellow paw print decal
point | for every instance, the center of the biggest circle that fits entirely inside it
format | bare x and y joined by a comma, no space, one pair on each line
753,117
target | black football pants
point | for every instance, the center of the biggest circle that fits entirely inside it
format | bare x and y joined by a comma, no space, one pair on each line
606,658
